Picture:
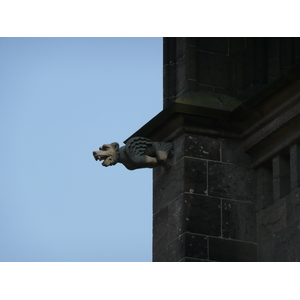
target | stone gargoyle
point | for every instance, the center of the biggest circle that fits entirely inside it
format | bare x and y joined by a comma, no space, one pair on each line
138,152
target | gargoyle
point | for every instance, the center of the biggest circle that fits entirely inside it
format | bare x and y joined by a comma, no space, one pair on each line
139,152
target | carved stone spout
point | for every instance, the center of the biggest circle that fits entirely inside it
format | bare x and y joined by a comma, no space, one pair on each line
139,152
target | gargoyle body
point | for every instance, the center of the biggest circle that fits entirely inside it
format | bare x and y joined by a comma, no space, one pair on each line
139,152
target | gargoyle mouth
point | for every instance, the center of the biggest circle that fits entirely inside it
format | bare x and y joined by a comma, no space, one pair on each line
107,160
100,157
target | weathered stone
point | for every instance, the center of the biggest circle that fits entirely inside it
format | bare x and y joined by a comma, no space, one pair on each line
231,251
196,246
214,45
160,228
189,259
281,176
264,187
233,152
195,176
271,225
271,219
239,220
293,206
203,147
231,181
232,193
295,166
210,74
203,214
168,185
170,252
286,241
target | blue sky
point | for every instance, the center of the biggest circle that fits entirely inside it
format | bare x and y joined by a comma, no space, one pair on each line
62,98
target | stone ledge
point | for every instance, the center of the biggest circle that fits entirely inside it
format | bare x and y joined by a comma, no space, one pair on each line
267,123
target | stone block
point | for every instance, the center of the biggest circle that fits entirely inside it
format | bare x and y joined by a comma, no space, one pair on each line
231,181
214,70
179,148
213,45
191,65
170,252
281,176
203,215
293,206
293,253
265,250
231,251
160,229
168,186
233,152
177,217
195,176
239,220
196,246
176,249
181,77
286,241
202,147
264,187
271,219
295,166
189,259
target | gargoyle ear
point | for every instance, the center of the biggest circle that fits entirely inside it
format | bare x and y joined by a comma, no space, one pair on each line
115,146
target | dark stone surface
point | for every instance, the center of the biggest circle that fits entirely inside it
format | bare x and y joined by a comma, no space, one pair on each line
231,251
214,69
281,176
295,166
177,217
239,220
203,214
169,222
189,259
176,248
271,219
233,152
231,181
214,188
202,147
171,252
287,242
195,176
213,45
168,185
293,253
241,66
195,246
160,229
265,250
264,187
293,206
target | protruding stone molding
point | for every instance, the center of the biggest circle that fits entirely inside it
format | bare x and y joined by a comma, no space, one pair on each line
139,152
194,111
277,130
267,123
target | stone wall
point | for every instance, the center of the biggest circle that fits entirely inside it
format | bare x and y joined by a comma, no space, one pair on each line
205,205
232,110
237,67
279,214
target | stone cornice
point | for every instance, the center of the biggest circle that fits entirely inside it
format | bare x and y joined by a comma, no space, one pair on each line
267,123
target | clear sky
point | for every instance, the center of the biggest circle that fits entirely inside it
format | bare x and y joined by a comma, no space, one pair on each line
62,98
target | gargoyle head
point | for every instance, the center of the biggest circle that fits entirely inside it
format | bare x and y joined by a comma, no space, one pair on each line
109,153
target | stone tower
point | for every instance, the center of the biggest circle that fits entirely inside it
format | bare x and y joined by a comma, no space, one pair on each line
232,110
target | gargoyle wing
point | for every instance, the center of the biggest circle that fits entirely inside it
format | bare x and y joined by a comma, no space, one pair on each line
137,146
